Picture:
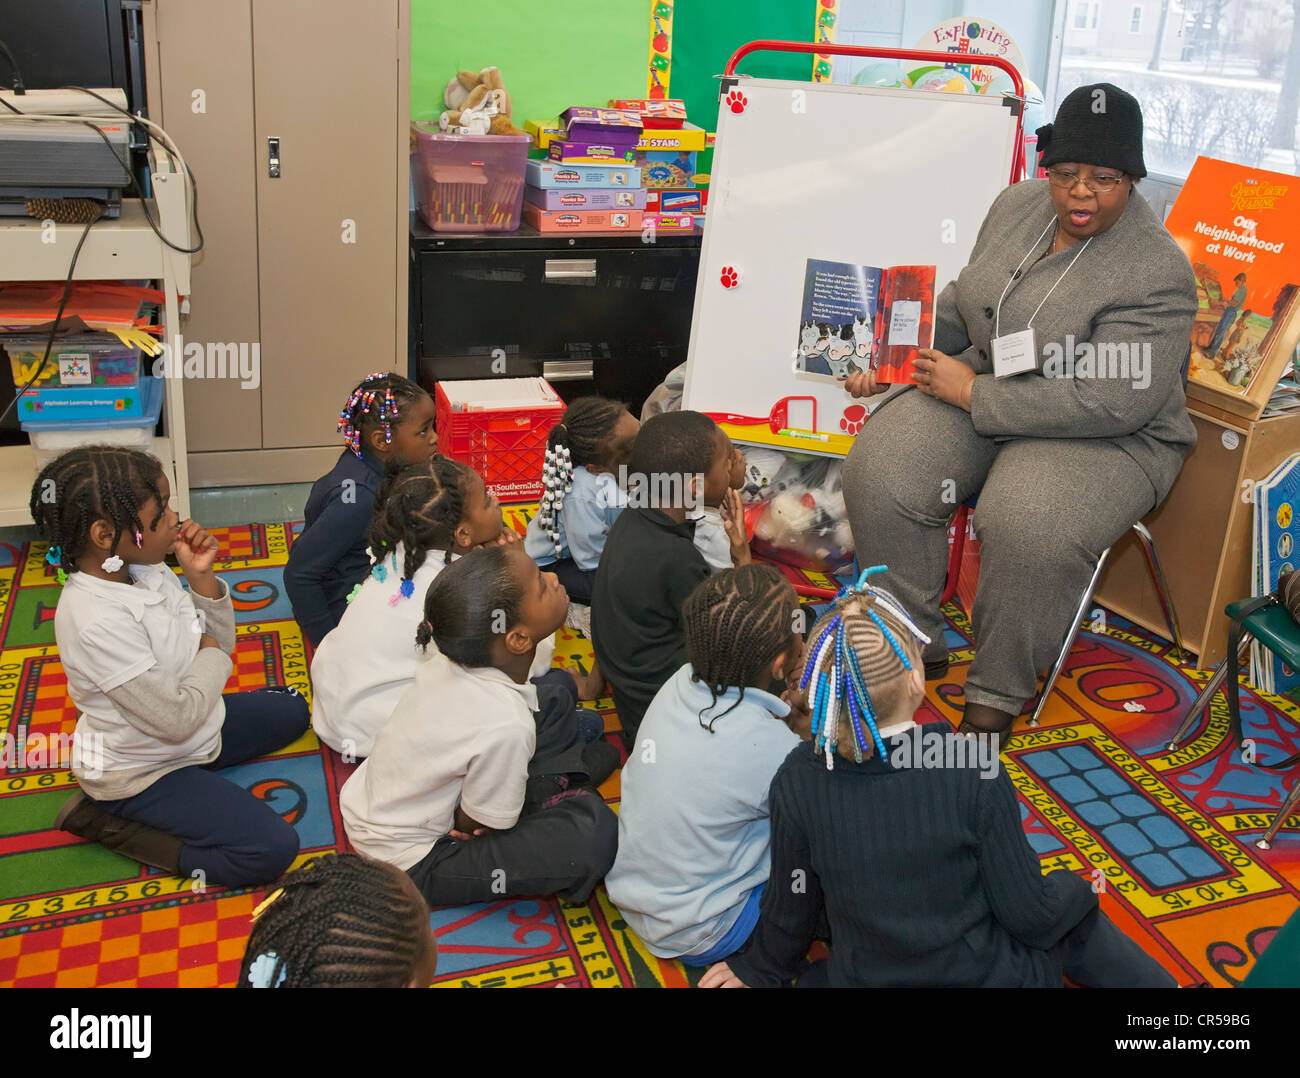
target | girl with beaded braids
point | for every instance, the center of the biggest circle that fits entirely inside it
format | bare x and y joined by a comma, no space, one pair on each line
344,921
425,516
692,856
386,417
146,662
582,498
906,842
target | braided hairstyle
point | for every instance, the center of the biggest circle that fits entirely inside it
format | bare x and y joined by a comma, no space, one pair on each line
470,604
95,482
419,506
343,921
856,668
737,622
580,438
376,402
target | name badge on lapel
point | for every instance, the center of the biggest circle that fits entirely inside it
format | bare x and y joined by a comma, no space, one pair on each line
1014,353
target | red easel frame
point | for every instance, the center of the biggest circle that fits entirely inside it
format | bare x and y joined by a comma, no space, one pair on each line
945,58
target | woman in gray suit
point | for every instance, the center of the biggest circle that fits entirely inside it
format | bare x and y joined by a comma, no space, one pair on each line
1054,391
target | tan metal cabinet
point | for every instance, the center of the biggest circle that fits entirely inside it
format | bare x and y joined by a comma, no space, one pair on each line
293,115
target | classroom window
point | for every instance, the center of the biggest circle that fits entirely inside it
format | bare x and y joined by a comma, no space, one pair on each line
1209,75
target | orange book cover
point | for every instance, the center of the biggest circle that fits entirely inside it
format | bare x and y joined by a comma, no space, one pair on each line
1240,229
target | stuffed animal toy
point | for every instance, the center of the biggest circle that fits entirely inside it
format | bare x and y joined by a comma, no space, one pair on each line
478,104
767,473
805,522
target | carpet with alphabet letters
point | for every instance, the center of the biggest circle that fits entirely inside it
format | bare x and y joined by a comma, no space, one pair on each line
1166,838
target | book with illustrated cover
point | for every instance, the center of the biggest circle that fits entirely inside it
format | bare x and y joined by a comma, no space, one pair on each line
857,318
1240,229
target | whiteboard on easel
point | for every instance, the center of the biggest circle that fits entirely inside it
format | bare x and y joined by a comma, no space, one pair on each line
809,172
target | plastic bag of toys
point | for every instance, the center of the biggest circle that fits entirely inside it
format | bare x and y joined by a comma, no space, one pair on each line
794,509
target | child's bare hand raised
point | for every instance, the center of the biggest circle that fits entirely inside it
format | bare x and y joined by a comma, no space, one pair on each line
719,975
196,551
733,520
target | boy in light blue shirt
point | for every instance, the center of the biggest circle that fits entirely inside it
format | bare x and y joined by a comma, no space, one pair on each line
693,823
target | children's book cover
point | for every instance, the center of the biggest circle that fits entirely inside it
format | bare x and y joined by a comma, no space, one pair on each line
1238,227
855,318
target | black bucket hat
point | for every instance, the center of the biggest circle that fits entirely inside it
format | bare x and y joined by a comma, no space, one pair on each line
1099,124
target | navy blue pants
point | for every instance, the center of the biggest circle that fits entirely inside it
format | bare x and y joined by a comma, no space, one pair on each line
561,845
229,835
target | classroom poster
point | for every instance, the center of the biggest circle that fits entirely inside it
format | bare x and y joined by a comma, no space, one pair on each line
1238,227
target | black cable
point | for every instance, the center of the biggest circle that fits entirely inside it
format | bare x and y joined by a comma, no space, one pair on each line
130,182
58,317
19,87
135,187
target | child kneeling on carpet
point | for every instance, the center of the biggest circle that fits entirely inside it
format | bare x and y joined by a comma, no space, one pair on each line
386,417
426,515
921,871
679,461
692,824
479,785
344,921
146,662
582,499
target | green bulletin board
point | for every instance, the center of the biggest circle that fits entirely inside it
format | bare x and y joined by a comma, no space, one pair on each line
707,32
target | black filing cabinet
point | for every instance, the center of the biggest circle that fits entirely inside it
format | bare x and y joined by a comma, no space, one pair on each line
607,314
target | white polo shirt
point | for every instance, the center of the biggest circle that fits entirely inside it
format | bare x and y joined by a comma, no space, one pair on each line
108,633
459,736
367,661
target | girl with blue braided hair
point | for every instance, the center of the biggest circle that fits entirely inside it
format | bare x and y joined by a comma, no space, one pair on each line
915,865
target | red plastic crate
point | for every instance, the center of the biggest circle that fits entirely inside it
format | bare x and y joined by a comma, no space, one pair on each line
506,447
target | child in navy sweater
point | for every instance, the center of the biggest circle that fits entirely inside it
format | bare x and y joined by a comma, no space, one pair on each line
386,416
911,851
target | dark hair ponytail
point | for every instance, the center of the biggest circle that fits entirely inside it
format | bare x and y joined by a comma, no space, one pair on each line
580,438
419,506
470,604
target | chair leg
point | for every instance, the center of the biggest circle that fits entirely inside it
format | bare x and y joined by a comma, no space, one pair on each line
1203,698
1162,588
1266,840
959,521
1054,670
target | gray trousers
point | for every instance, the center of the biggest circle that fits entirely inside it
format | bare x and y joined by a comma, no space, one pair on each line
1047,509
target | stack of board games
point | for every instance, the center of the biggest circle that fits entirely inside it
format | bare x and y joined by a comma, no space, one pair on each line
1276,533
664,152
587,182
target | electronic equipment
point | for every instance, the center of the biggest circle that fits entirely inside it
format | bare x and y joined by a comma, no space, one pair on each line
62,144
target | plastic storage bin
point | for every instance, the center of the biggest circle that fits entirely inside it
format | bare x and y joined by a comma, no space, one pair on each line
50,438
498,426
83,360
468,183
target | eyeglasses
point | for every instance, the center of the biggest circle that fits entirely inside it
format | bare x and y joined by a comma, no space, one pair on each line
1098,185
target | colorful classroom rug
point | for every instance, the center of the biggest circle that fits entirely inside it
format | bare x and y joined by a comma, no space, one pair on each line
1166,838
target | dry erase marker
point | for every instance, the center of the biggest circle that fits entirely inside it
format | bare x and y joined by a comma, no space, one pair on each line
810,435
